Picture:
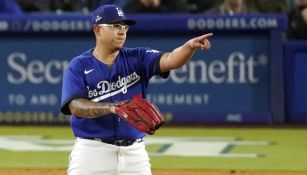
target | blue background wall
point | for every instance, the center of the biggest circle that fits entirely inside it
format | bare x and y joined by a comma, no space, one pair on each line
232,82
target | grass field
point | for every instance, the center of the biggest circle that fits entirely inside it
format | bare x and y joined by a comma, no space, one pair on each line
285,149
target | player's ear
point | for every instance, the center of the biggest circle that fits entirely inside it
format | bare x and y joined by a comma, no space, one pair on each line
96,30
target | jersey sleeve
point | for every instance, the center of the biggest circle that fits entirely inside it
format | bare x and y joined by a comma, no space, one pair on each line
73,86
151,62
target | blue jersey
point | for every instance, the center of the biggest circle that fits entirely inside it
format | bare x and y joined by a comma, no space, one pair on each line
89,78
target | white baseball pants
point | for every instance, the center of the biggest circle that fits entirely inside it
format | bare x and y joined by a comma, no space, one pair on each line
91,157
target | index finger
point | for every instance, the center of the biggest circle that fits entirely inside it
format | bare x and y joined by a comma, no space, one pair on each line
205,36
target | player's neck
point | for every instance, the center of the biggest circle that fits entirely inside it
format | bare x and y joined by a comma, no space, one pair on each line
105,56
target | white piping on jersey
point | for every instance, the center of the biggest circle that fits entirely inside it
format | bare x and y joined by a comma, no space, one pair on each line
123,89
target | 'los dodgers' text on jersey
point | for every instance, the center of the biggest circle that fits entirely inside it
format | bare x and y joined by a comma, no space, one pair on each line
106,89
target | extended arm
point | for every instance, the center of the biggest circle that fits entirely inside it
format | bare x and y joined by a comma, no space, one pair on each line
179,56
85,108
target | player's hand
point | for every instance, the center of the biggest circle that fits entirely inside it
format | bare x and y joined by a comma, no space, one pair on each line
201,42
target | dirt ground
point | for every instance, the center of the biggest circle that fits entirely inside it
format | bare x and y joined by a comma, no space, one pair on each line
155,172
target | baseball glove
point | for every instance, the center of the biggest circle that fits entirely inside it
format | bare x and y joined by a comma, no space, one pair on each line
140,113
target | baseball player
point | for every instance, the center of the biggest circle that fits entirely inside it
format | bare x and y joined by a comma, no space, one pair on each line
100,80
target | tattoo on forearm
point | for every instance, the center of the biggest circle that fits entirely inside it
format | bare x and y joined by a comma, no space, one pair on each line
88,109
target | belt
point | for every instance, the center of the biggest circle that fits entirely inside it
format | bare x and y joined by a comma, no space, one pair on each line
117,142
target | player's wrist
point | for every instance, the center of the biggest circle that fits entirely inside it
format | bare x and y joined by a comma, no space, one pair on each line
112,108
190,46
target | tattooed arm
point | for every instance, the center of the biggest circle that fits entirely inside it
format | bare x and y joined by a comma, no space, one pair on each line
85,108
